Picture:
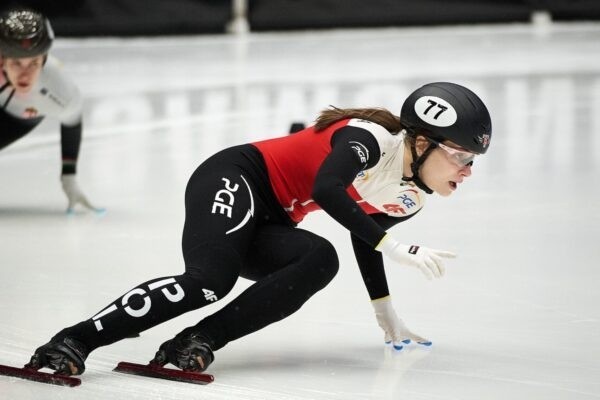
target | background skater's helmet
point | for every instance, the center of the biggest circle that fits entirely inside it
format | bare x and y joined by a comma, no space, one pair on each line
24,33
447,111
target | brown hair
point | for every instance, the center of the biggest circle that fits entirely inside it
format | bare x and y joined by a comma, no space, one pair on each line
379,116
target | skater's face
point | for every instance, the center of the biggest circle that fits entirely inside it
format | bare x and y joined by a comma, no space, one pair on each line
23,73
445,167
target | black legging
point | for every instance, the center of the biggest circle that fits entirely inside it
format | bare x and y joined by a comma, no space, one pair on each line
233,228
13,129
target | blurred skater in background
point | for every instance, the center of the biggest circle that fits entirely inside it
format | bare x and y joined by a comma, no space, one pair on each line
32,87
367,168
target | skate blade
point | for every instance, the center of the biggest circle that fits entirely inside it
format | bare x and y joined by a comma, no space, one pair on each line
155,371
37,376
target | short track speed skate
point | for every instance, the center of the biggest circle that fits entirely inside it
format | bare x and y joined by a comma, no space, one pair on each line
32,374
188,351
153,370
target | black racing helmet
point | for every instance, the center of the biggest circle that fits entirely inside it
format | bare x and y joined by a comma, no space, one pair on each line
24,33
447,111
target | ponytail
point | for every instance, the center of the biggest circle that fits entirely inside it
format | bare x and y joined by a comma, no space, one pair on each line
379,116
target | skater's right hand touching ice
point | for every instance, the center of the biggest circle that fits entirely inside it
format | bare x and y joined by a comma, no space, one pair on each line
75,194
394,328
429,261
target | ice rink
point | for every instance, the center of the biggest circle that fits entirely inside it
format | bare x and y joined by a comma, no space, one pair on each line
516,316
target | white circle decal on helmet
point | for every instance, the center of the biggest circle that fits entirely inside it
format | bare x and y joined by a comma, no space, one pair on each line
435,111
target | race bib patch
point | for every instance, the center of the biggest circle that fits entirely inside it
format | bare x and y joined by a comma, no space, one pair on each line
435,111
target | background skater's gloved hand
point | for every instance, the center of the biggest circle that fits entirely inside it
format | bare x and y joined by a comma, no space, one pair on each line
395,330
74,194
429,261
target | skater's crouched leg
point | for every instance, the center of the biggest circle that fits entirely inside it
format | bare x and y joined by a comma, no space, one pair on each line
289,266
322,261
293,263
310,272
218,268
215,268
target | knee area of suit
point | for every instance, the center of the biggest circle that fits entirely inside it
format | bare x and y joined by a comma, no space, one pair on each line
322,262
213,289
215,273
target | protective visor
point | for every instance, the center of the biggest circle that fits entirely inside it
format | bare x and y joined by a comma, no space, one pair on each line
459,157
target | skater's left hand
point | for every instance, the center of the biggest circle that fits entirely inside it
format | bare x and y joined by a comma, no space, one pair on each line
75,195
395,330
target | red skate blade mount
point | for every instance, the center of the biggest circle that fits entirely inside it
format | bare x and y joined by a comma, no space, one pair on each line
156,371
37,376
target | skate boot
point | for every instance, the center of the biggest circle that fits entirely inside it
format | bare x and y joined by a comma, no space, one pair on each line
188,351
66,356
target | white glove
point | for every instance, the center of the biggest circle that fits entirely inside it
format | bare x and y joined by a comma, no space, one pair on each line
395,331
74,194
429,261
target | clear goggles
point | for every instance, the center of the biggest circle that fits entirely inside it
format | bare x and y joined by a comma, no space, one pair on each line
461,158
